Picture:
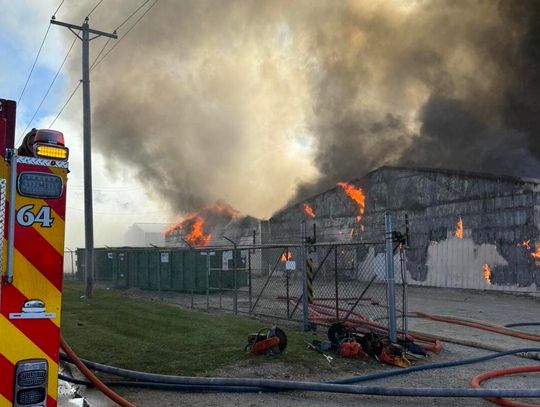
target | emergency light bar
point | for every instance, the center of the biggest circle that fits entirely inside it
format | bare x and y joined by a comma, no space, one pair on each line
44,143
48,151
50,144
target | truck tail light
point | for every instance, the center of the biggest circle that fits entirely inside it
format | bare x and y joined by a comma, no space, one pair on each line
31,383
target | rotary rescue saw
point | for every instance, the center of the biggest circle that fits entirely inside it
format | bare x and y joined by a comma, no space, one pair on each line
267,341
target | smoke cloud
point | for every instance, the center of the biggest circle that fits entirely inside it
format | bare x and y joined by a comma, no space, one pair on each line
260,103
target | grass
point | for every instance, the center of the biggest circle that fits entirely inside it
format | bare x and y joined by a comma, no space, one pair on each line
138,334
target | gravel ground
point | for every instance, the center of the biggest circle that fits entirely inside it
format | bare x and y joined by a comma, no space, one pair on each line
497,308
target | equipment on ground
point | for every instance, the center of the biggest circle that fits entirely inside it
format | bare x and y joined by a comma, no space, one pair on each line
351,349
317,346
351,343
267,341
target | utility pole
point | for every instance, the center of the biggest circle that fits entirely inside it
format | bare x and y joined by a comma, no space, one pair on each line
85,31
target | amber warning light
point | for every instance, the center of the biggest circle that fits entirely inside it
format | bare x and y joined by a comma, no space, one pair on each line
50,144
44,144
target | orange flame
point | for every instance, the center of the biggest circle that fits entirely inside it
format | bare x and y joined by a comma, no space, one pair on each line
357,195
526,244
193,223
308,210
286,257
459,228
487,273
536,254
196,236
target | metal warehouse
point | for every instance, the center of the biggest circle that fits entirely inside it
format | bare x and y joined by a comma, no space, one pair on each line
467,230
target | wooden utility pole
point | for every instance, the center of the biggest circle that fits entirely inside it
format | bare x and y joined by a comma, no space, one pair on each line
83,33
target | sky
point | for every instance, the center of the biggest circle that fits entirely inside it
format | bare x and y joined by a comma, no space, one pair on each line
119,200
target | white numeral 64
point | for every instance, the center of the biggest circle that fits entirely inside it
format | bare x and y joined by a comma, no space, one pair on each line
25,216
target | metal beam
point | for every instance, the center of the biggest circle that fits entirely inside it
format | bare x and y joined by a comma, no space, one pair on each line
80,28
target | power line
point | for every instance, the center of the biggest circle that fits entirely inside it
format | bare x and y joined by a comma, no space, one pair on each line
38,53
95,7
107,189
131,15
117,213
58,8
48,90
100,52
65,104
77,87
35,61
127,32
115,30
96,62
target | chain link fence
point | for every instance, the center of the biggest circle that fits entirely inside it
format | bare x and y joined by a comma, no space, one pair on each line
70,266
346,282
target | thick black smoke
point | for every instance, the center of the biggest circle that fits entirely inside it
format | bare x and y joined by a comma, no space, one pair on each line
477,66
257,103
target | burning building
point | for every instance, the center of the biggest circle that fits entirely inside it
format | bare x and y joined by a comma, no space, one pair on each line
209,226
468,230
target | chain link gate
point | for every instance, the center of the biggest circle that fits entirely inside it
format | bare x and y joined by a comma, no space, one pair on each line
355,283
349,283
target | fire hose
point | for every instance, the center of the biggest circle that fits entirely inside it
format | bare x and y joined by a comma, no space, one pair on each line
505,372
92,377
522,324
479,325
243,384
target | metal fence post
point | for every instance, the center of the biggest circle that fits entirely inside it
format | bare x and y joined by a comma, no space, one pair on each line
72,266
193,274
158,262
287,287
221,285
159,274
235,289
390,279
404,282
404,299
158,270
207,280
303,262
336,280
249,280
235,279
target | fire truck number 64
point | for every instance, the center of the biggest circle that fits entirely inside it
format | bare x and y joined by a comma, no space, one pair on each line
26,216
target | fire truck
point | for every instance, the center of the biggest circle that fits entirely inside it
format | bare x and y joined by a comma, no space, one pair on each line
33,180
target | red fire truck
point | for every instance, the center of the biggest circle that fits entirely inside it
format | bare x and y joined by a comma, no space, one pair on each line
32,213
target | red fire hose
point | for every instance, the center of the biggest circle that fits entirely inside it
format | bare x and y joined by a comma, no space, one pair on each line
93,378
505,372
479,325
